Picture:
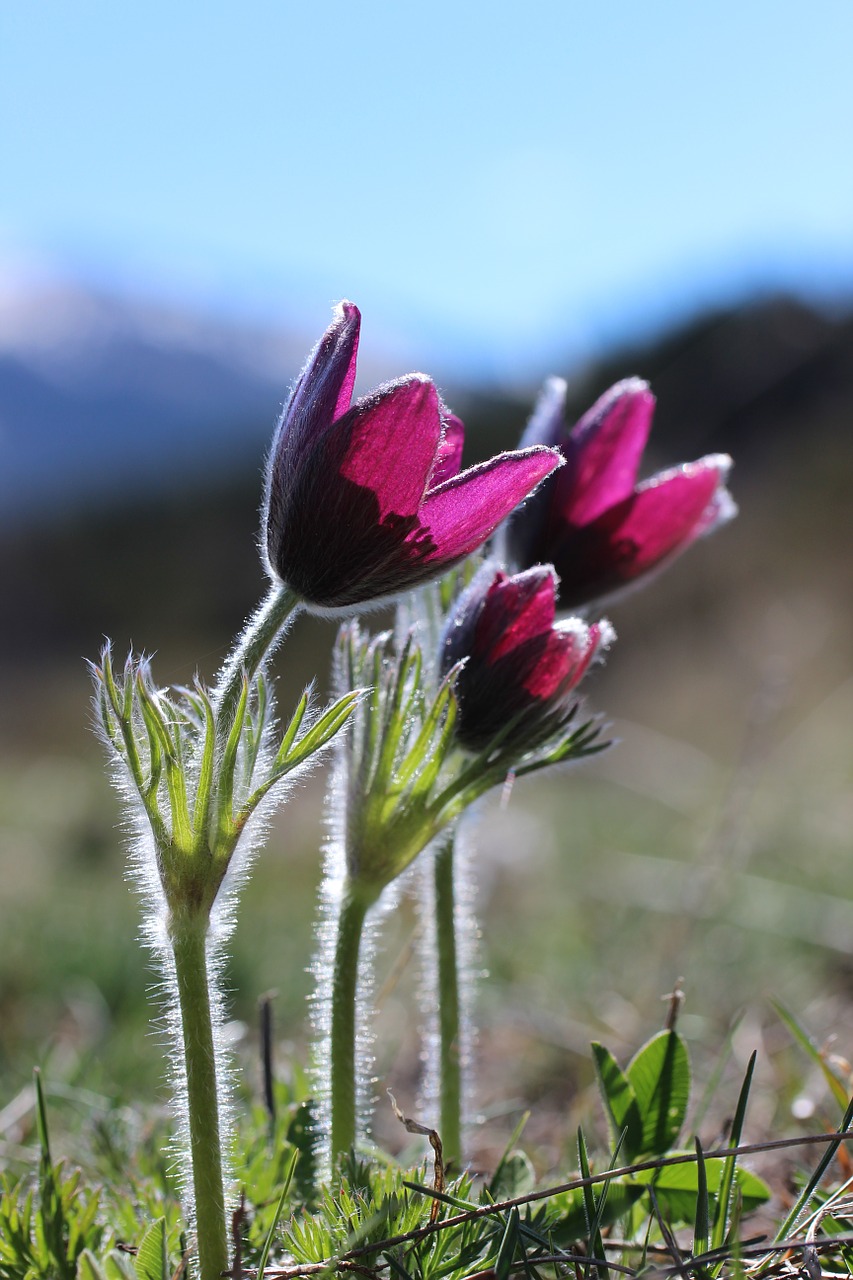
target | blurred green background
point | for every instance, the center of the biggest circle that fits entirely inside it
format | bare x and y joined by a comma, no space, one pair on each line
711,843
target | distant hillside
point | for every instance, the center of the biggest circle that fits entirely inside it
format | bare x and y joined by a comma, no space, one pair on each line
100,394
176,566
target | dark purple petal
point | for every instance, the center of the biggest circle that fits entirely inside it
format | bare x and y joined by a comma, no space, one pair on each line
392,438
324,389
603,452
449,458
464,511
525,532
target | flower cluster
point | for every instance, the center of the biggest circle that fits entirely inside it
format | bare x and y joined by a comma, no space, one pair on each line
365,500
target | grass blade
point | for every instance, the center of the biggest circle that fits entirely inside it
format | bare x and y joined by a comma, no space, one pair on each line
279,1209
727,1181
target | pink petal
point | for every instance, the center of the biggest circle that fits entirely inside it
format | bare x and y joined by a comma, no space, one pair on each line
660,519
516,610
603,452
571,648
464,511
392,438
449,458
670,511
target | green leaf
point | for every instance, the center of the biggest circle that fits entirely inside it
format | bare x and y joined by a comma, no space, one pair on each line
508,1247
701,1221
496,1186
570,1226
677,1187
118,1266
513,1177
660,1077
620,1100
152,1262
265,1251
291,732
88,1267
592,1212
724,1198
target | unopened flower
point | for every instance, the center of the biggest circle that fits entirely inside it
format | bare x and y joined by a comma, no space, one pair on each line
600,529
519,668
366,500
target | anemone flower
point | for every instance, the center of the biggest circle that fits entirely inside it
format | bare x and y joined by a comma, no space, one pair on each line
518,667
600,529
366,500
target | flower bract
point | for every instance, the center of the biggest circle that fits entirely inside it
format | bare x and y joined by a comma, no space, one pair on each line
518,668
365,500
600,529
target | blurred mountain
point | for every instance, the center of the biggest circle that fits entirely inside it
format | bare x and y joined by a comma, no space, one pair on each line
101,395
104,400
108,399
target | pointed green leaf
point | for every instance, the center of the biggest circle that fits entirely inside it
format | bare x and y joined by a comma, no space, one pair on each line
118,1266
228,765
592,1212
701,1221
332,719
620,1100
660,1077
677,1188
724,1197
88,1267
571,1225
508,1247
291,731
204,790
152,1262
265,1251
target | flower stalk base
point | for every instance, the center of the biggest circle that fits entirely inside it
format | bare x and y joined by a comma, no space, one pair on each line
449,1048
343,1049
188,938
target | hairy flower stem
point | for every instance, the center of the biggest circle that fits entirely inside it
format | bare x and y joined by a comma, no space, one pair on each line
342,1067
256,643
449,1059
188,937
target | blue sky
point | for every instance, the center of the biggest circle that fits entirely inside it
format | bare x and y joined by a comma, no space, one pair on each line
494,183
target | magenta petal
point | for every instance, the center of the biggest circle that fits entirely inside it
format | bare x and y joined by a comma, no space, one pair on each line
464,511
449,458
516,610
660,519
603,452
668,512
392,440
554,671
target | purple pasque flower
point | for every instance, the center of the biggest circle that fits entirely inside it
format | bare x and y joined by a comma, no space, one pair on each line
519,667
365,500
600,529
